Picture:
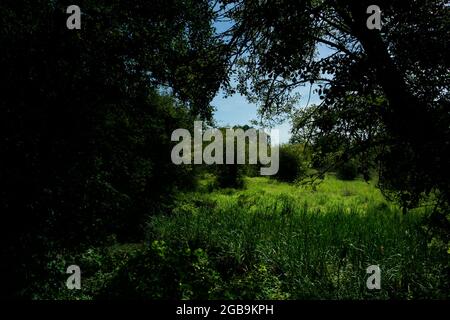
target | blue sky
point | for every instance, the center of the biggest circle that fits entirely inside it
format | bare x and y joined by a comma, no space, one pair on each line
236,110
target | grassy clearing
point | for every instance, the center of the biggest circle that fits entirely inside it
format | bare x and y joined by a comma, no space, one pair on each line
273,240
355,195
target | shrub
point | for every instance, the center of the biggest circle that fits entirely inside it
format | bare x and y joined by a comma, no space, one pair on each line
229,176
291,165
347,171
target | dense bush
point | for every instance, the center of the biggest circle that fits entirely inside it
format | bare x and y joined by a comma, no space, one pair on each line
291,165
86,118
229,176
347,170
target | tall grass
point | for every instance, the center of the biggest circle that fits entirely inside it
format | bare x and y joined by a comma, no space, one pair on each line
270,240
278,241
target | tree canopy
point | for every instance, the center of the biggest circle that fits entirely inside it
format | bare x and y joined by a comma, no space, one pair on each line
86,117
384,93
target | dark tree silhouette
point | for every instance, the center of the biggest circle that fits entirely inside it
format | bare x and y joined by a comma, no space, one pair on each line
86,118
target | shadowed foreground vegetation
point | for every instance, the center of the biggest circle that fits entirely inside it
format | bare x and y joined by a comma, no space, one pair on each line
271,240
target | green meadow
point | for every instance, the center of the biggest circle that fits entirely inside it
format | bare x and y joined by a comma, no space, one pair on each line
274,240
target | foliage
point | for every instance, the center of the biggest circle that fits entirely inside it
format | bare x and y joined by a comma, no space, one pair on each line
292,163
278,241
384,93
347,170
230,175
86,117
85,123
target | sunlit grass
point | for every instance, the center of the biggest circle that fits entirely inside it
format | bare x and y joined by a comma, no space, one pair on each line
271,240
307,244
357,194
